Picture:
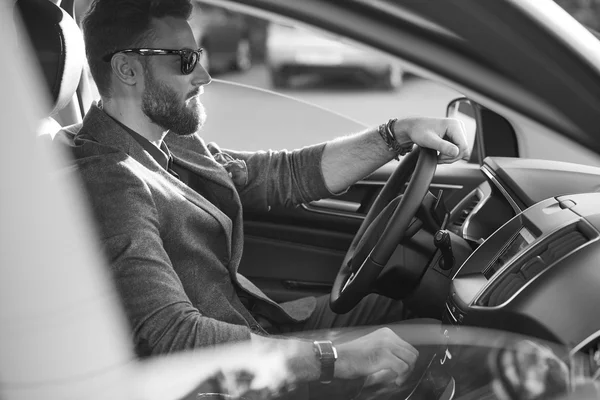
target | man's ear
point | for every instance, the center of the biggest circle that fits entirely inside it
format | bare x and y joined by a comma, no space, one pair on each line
127,69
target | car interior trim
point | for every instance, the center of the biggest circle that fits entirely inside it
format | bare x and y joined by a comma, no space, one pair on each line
585,342
433,185
311,207
348,209
568,31
335,205
414,18
482,200
494,180
451,314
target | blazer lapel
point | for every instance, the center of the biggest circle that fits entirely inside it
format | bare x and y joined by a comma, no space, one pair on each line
106,131
192,153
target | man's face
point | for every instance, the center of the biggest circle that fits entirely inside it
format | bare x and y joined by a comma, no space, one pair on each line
169,98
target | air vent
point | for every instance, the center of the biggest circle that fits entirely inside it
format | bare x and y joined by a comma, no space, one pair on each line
551,251
457,224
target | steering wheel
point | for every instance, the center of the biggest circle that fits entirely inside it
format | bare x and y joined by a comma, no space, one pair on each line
383,229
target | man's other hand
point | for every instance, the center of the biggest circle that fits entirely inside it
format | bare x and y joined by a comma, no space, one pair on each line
446,135
375,353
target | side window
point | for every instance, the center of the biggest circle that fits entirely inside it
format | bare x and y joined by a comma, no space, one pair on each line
322,69
315,67
232,42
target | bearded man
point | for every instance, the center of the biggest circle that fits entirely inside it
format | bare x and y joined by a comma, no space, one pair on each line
169,207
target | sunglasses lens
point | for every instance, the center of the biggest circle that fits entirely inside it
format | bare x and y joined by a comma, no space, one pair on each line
189,59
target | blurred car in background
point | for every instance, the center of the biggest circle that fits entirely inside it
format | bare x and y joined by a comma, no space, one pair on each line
231,40
294,51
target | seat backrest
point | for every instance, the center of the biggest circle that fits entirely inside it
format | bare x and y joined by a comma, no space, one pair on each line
58,45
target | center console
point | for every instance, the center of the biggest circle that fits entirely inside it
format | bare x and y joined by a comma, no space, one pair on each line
529,271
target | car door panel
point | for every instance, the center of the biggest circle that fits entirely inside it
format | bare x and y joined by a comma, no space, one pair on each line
286,270
290,253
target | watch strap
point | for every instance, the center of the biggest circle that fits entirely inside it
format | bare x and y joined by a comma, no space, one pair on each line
327,355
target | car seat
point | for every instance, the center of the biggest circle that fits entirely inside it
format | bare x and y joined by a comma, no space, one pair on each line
58,44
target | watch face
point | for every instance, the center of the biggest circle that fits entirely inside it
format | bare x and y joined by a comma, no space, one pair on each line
325,348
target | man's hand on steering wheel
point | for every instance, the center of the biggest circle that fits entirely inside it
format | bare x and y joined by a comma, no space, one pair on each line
389,217
445,135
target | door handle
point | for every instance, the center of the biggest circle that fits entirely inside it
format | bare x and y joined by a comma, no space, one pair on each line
302,285
334,205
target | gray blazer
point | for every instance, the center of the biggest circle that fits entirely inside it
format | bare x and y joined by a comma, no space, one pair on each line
174,255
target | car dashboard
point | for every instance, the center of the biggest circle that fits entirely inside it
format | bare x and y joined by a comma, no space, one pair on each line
535,267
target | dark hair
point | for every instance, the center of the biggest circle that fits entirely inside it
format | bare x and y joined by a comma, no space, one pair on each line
112,25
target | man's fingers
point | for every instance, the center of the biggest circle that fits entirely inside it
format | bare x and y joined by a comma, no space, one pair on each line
383,377
399,356
398,365
380,350
445,135
446,148
407,357
405,352
399,347
456,133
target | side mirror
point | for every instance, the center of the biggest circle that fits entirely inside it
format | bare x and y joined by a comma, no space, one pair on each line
469,113
488,133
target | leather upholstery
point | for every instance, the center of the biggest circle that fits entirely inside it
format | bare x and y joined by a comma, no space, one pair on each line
58,45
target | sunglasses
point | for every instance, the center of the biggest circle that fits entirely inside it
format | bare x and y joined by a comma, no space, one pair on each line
189,58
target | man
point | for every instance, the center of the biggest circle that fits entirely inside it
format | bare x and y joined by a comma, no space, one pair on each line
169,207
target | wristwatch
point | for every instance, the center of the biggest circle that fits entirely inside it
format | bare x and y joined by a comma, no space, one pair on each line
327,355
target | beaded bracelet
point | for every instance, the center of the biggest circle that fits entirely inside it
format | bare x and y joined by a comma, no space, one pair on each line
387,134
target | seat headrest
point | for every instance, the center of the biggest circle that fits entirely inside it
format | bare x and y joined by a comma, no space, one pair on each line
58,45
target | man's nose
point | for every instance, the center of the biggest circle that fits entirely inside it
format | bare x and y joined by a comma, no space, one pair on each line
201,76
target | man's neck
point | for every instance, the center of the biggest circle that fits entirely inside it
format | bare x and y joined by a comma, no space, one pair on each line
132,116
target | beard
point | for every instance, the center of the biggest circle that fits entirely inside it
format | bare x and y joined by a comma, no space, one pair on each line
165,108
